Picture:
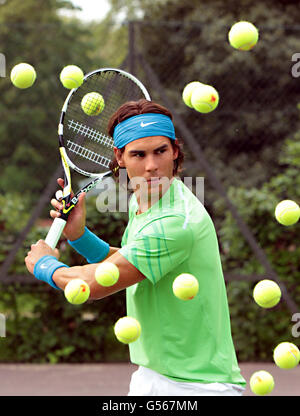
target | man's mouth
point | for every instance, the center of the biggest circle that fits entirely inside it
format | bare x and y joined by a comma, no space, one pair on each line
154,179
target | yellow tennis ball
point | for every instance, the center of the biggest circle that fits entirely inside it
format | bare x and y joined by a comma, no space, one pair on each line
261,383
204,98
286,355
243,36
23,75
77,291
71,76
107,274
267,293
287,212
92,103
185,286
187,92
127,329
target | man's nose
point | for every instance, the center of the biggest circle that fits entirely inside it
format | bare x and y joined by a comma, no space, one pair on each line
151,164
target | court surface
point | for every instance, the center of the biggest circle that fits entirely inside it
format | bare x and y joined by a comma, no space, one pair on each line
110,379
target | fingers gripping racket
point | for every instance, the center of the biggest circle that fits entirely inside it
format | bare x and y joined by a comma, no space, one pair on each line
84,144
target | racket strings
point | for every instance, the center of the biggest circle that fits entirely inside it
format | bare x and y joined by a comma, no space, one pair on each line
88,154
91,133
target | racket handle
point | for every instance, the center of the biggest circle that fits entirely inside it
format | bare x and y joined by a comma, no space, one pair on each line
55,232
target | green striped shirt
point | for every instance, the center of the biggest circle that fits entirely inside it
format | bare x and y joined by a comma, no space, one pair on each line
183,340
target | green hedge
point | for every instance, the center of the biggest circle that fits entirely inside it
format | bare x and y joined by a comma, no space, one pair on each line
41,326
256,331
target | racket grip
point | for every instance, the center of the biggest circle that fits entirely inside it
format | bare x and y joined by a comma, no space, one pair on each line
55,232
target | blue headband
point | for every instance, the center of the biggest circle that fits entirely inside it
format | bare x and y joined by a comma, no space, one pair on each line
143,125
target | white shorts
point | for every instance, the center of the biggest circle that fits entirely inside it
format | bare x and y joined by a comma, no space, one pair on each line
146,382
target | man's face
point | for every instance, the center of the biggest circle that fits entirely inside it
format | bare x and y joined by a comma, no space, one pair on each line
149,159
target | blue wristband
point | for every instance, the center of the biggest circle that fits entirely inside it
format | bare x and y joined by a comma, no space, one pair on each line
45,267
90,246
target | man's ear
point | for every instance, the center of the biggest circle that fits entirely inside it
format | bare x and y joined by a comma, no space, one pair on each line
175,151
119,157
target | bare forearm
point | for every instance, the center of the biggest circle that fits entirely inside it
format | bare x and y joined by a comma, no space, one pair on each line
64,274
87,273
129,275
112,250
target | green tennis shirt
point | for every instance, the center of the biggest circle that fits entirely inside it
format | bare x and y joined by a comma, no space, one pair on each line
183,340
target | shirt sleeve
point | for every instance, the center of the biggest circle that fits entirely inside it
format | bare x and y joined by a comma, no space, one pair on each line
159,247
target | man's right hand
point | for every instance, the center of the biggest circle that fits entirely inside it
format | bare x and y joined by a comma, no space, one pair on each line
74,228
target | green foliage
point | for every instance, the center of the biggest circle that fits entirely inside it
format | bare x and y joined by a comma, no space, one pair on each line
256,331
14,215
185,41
28,135
182,41
113,45
41,326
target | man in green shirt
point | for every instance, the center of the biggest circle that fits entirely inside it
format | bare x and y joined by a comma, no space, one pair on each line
185,347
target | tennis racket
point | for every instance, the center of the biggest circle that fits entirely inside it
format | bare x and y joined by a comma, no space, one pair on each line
84,144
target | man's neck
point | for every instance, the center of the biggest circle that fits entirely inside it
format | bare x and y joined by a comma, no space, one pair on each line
146,201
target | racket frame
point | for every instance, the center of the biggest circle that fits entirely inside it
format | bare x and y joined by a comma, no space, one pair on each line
69,202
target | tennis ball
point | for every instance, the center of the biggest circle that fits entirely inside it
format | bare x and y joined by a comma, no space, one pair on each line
286,355
187,92
127,329
185,286
267,293
204,98
107,274
71,77
92,103
243,36
77,291
287,212
261,383
23,75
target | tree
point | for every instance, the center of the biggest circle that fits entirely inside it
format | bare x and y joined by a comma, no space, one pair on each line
257,331
28,133
186,40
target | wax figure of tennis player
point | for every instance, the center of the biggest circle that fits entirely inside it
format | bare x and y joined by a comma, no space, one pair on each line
185,347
